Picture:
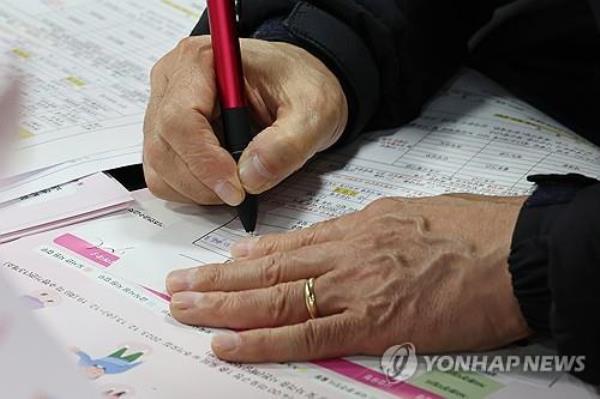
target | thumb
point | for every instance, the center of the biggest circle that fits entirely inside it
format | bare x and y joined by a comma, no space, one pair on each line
277,152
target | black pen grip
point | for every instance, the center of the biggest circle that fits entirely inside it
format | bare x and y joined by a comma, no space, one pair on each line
238,134
237,129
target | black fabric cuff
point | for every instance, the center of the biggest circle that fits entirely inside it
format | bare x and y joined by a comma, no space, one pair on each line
529,259
330,40
574,275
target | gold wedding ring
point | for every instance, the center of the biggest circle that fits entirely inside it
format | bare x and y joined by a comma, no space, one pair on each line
310,298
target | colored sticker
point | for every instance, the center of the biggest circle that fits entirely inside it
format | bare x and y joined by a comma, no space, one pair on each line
87,250
375,379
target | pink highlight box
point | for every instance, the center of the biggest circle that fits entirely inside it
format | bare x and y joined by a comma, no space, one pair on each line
87,250
375,379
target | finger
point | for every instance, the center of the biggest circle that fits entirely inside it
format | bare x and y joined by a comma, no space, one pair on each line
166,167
183,120
256,247
328,337
279,151
161,189
264,272
276,306
190,135
158,86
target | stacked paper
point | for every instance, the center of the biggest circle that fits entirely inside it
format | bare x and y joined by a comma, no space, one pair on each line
86,96
84,199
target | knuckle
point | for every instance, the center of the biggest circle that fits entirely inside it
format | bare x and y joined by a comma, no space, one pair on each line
383,204
226,303
314,234
278,305
264,245
213,277
204,161
194,46
187,44
271,271
310,342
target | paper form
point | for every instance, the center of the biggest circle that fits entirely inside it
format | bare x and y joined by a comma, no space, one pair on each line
440,152
86,65
143,351
77,262
83,199
473,138
32,365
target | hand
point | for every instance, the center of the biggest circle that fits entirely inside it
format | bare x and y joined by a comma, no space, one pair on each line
430,271
297,100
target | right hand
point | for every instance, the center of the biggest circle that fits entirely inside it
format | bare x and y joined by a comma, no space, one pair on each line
292,95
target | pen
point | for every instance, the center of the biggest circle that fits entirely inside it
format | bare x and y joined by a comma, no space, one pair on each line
230,85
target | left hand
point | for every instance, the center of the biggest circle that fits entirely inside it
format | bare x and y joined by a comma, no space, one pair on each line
429,271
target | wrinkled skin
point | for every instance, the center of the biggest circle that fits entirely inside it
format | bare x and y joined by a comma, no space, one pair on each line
429,271
294,98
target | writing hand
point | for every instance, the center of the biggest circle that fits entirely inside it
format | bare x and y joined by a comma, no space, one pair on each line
292,95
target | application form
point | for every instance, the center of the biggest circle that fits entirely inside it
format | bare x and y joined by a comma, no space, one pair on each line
76,265
123,339
473,138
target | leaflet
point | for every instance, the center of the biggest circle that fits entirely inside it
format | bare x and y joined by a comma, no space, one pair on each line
61,280
83,199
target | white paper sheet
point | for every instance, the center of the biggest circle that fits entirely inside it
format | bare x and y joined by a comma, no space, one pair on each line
32,363
81,200
86,65
95,314
53,176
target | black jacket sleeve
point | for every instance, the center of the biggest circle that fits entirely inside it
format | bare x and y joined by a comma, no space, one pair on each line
555,266
389,55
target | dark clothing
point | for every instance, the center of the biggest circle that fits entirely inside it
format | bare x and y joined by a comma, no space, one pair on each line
391,56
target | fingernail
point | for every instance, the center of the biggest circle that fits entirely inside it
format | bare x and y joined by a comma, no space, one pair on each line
180,280
230,194
187,300
244,247
253,173
226,342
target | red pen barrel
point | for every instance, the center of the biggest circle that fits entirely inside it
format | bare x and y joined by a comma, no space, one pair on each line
226,53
